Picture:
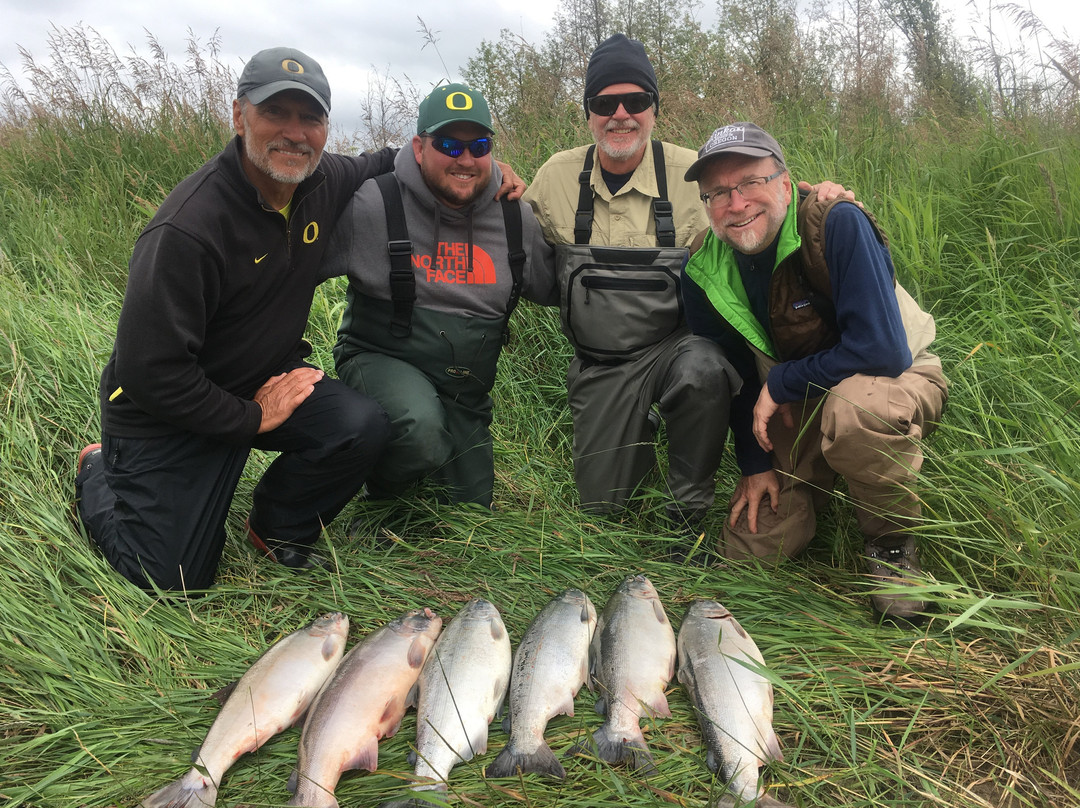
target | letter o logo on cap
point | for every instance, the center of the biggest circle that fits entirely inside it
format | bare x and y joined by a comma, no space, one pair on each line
459,101
291,66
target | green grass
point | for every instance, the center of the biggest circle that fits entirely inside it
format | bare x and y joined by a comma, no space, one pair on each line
106,690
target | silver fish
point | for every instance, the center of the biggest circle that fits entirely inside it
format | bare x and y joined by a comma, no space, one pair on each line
733,702
550,666
272,695
633,660
462,687
363,702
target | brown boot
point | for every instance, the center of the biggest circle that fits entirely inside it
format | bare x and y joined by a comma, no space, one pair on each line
891,560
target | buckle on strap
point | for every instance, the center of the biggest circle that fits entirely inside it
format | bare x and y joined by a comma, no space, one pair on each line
399,247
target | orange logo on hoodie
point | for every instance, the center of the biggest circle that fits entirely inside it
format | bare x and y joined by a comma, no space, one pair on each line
451,265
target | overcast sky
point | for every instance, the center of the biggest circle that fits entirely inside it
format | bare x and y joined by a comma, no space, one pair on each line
348,39
351,39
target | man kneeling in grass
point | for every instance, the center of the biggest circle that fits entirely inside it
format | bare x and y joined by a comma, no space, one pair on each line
803,297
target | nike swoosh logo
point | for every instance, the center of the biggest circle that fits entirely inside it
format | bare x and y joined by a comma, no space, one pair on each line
259,259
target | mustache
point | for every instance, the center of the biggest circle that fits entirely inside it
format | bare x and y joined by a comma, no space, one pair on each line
629,123
285,143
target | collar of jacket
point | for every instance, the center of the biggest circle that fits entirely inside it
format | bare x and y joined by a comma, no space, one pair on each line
714,269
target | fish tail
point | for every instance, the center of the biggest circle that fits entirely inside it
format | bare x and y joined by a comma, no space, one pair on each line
510,761
612,748
193,790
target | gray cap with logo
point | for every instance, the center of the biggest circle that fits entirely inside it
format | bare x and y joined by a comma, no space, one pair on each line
735,138
273,70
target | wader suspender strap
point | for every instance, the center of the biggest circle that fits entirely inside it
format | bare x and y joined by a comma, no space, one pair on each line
516,257
398,245
662,210
402,282
583,217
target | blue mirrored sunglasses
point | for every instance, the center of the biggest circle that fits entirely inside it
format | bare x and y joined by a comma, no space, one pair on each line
452,147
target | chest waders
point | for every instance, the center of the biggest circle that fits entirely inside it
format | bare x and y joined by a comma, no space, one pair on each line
458,354
617,302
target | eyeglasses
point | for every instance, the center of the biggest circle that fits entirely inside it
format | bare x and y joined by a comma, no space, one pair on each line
452,147
633,103
747,189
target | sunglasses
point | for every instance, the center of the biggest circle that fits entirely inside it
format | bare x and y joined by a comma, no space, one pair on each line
633,103
452,147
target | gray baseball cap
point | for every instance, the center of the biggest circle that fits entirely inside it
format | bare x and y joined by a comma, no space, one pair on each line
735,138
275,69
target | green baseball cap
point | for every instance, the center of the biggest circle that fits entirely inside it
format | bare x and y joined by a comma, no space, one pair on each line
275,69
453,103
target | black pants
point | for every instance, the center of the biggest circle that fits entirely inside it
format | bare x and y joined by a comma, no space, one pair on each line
157,506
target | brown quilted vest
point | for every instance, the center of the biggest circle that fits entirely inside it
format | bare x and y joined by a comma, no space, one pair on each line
801,310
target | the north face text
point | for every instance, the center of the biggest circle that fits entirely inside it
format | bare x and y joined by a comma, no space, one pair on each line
451,264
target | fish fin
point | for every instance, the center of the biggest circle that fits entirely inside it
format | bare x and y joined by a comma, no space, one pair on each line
712,762
686,678
564,707
222,695
392,716
509,762
477,743
418,651
658,611
739,629
506,724
772,748
658,706
331,645
585,678
391,710
411,757
611,748
585,610
194,789
601,706
294,780
498,630
499,691
366,757
412,698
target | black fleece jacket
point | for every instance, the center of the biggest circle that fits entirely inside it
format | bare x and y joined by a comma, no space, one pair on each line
218,295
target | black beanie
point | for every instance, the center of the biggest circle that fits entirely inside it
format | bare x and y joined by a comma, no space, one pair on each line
619,60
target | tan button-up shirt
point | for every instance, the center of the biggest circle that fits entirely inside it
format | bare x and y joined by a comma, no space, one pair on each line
622,220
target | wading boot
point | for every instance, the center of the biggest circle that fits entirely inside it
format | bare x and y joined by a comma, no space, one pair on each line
89,458
893,560
288,555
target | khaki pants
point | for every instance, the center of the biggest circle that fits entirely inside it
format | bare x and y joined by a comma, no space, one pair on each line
867,429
